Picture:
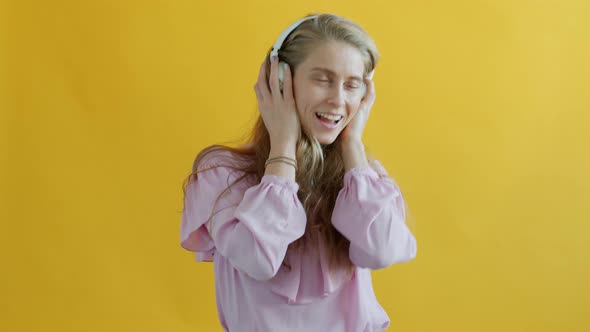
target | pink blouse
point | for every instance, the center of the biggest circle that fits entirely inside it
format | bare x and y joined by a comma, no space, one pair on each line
252,227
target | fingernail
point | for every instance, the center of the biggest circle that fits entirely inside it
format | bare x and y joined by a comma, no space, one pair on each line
273,58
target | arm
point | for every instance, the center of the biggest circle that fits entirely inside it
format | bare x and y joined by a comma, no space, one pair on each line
370,213
252,229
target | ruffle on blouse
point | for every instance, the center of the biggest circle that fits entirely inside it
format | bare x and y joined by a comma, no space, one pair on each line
194,235
197,240
287,281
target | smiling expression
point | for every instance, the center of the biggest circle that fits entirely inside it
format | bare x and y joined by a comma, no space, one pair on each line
328,89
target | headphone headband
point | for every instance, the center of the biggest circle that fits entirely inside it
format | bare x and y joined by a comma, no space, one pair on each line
277,45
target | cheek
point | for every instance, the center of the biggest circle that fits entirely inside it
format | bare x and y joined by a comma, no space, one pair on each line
305,97
299,101
354,108
298,95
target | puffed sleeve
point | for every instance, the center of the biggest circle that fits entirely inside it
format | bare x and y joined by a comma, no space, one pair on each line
370,213
251,226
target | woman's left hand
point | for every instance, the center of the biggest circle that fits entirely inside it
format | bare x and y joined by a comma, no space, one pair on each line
354,129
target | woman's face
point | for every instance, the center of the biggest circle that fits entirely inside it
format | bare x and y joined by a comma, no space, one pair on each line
328,89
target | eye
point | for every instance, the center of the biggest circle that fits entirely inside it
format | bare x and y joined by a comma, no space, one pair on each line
353,86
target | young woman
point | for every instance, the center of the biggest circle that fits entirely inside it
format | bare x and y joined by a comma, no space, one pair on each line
296,220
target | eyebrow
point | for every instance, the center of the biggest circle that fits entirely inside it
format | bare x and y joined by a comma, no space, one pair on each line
326,70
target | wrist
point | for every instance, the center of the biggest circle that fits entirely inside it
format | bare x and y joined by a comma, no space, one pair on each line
283,149
282,166
351,143
353,153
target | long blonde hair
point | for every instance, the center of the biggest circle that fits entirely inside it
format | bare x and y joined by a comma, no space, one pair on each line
320,167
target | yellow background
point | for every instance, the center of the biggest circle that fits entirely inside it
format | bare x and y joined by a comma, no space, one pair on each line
482,116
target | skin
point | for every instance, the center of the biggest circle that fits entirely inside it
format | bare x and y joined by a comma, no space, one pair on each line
328,81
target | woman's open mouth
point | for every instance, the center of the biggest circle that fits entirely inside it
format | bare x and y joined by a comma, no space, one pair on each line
328,120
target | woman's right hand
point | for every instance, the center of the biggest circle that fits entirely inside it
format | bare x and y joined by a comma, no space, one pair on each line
277,109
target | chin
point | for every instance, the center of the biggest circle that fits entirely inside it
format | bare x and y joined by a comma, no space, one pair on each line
327,140
323,137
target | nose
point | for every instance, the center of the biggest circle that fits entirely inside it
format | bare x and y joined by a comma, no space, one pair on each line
337,96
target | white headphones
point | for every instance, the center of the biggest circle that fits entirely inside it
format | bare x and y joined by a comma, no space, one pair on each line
277,46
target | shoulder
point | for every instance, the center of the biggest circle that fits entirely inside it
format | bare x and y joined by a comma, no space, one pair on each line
218,156
210,156
218,167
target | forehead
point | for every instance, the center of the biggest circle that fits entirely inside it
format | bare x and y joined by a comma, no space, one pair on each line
337,57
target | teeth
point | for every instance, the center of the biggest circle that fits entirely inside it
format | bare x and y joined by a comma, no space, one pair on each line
329,116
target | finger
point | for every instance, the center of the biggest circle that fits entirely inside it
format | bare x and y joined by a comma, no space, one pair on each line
371,88
288,83
273,79
262,83
258,96
369,96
